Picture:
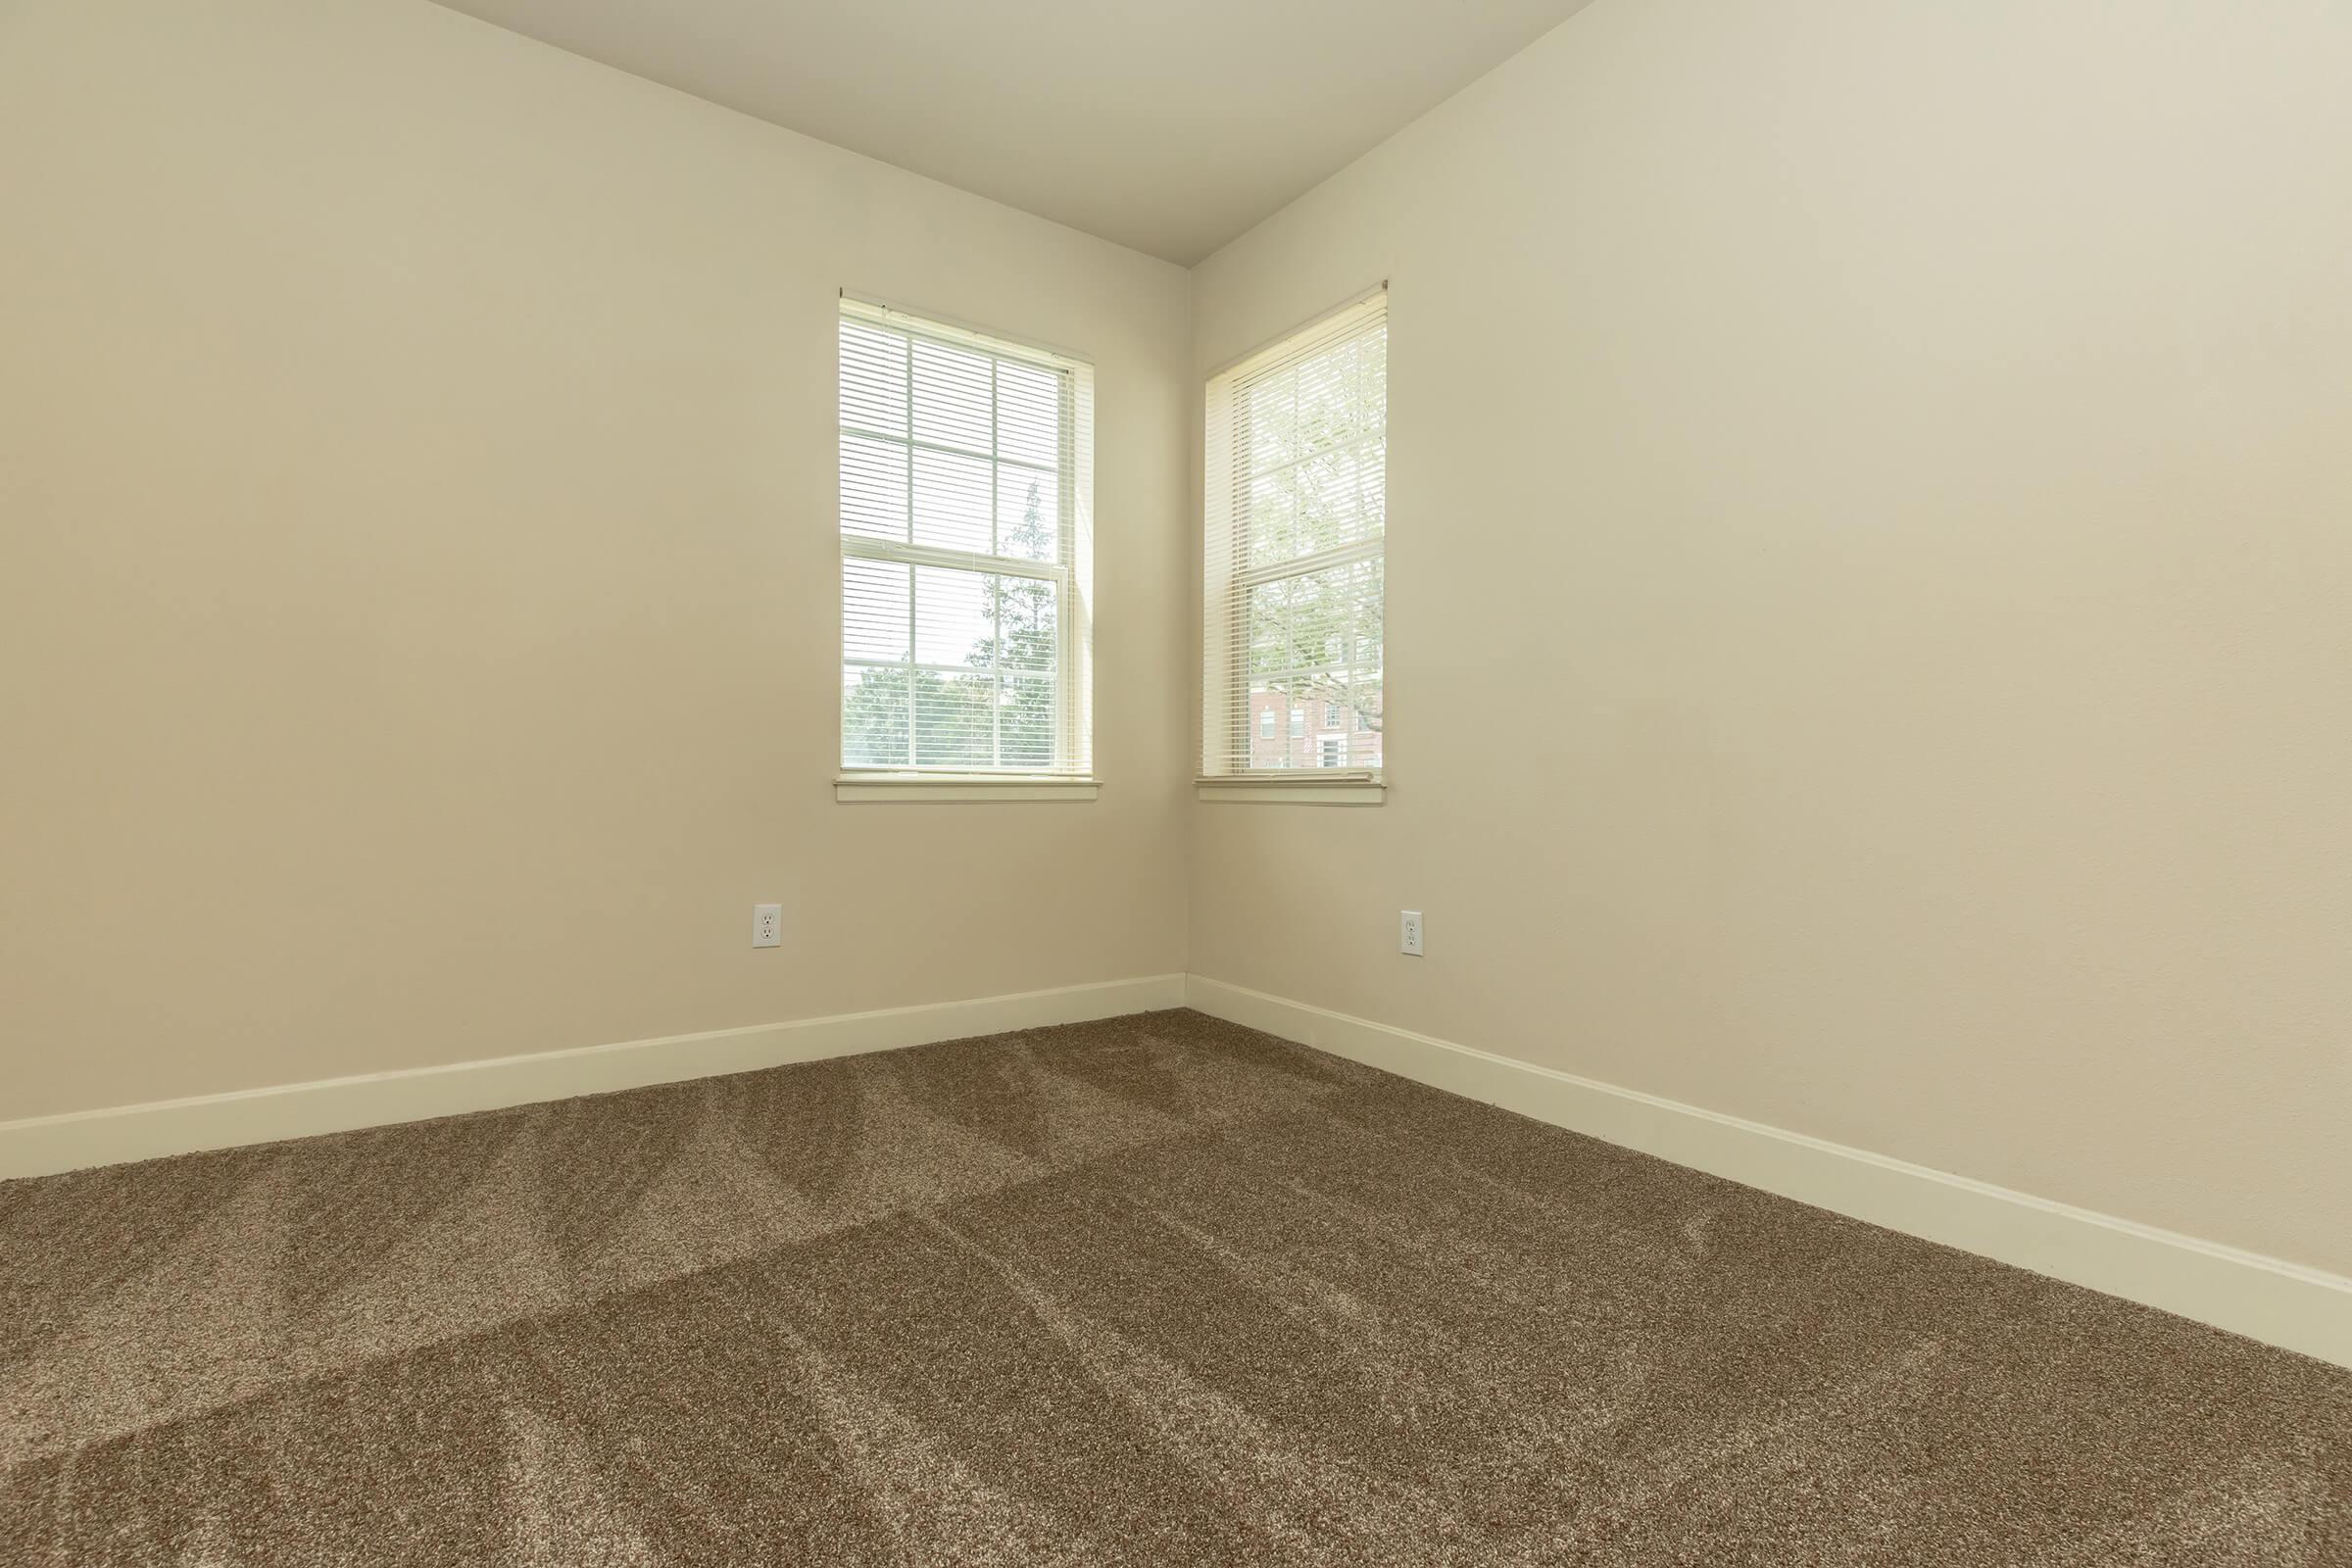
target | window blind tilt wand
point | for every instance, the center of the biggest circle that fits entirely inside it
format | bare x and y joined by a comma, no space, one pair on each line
1294,520
966,547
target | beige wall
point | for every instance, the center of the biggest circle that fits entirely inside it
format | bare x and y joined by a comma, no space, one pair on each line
418,612
1871,509
1870,541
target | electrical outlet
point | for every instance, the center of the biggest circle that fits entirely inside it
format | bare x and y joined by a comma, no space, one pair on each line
767,926
1409,941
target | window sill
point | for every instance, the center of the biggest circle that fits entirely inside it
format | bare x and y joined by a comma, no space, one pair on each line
1357,789
944,788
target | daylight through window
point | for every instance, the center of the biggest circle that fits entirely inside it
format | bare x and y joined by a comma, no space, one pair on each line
963,550
1296,524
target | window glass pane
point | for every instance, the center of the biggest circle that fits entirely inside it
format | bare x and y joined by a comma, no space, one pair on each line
951,502
1028,513
1281,738
1340,494
1268,626
1028,414
875,609
1268,421
951,389
873,719
1025,722
1330,399
1274,744
1272,519
874,488
1027,624
1315,645
1026,617
1316,618
1359,694
955,719
1315,454
1333,498
953,615
1265,741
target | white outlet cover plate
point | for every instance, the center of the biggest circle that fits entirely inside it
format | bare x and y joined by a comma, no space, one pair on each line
767,926
1409,934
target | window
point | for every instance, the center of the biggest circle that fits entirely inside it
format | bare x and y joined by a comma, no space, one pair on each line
1265,722
1296,524
965,551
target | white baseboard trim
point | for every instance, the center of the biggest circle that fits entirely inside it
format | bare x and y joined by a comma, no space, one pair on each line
2261,1297
44,1145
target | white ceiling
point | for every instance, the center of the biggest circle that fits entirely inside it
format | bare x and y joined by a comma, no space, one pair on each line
1169,127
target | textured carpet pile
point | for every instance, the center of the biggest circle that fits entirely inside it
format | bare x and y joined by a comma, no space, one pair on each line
1154,1290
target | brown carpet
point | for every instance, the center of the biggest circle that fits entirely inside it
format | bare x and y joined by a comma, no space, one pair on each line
1154,1290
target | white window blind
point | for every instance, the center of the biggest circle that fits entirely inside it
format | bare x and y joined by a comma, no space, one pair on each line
1295,519
965,550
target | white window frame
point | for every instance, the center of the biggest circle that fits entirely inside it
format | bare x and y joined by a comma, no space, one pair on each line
1221,699
1071,776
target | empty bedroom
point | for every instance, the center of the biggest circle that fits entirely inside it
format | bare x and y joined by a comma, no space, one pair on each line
1062,783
